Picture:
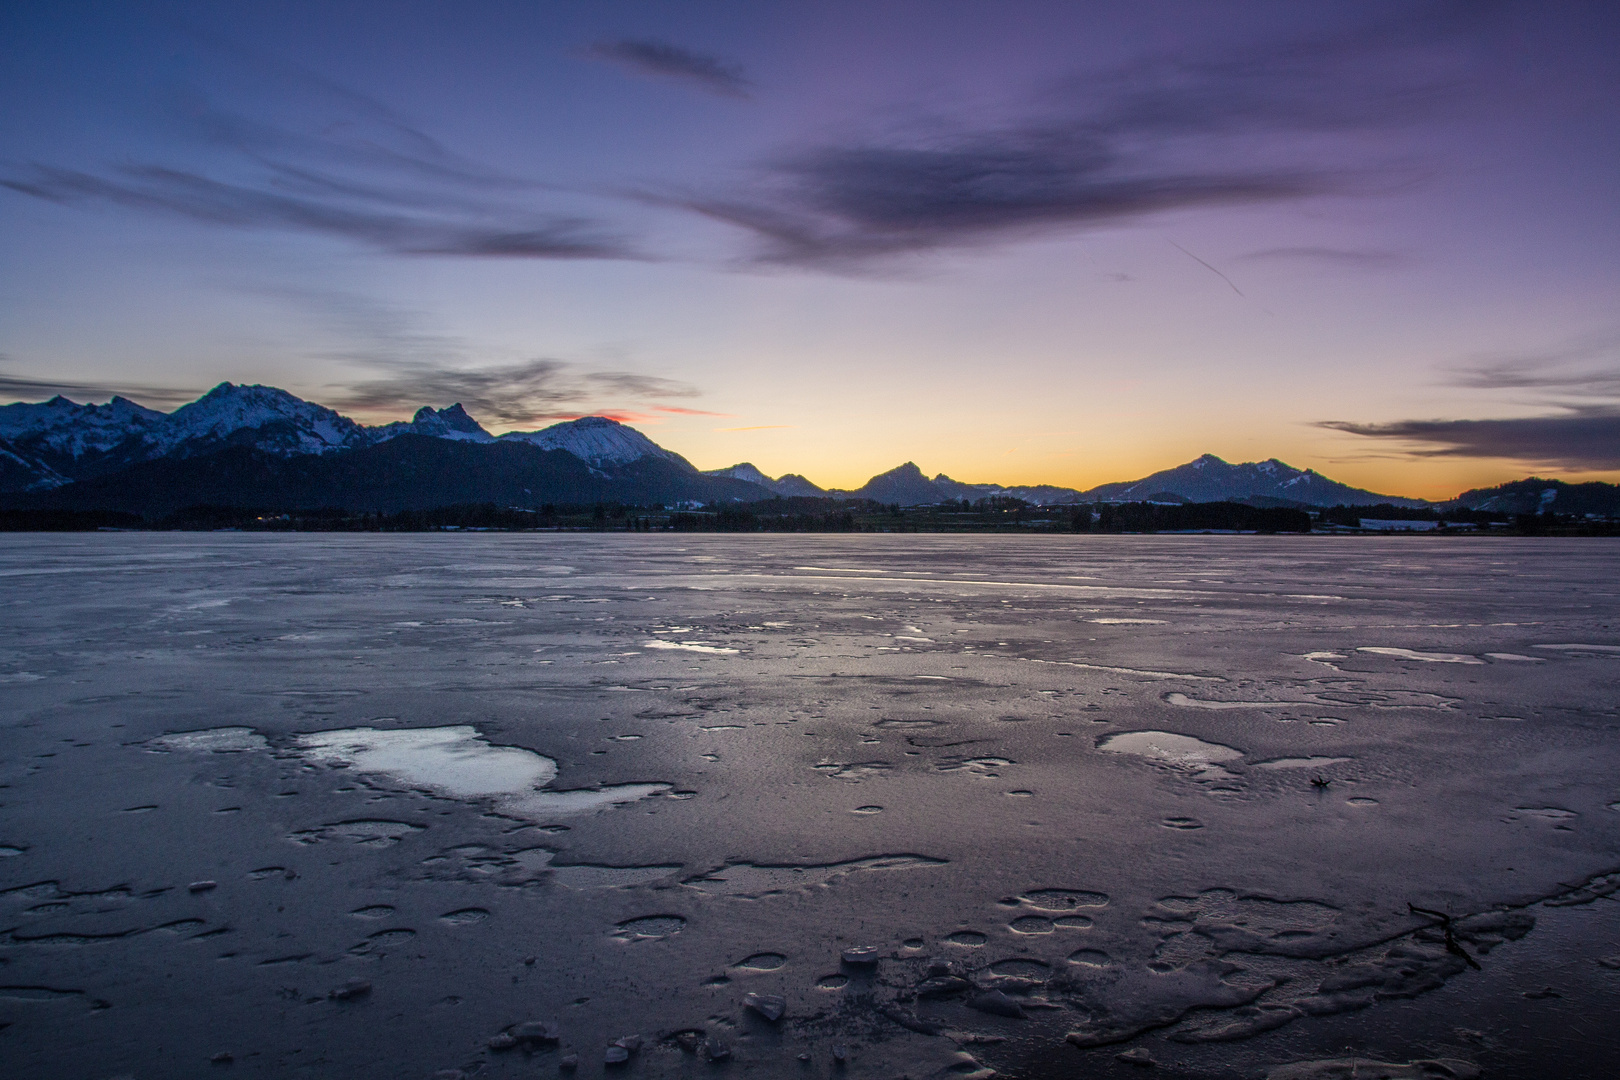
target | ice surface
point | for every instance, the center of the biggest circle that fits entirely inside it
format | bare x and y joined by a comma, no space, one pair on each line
1195,834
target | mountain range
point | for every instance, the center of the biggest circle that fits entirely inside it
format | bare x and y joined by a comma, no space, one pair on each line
259,446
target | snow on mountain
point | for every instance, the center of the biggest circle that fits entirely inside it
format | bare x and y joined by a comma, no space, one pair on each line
597,441
21,471
787,485
286,424
452,423
63,427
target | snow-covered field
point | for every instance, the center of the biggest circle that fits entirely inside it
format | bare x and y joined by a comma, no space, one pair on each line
366,805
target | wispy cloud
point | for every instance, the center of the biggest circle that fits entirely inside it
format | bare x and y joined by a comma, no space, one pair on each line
643,386
1261,125
663,60
364,175
1580,441
675,410
28,388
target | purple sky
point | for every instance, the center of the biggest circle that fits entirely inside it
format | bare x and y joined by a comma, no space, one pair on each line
1015,242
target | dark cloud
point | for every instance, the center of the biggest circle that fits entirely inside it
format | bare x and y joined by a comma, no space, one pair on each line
663,60
1169,133
522,393
1584,440
857,203
511,394
1349,257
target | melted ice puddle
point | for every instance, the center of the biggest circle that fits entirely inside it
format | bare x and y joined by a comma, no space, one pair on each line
456,761
1166,748
1426,657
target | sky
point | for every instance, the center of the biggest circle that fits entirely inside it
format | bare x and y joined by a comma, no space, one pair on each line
1014,242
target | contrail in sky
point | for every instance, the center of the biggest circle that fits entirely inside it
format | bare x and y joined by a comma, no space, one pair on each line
1206,266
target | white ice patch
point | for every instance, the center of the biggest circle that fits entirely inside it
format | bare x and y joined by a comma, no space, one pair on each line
456,761
1299,762
225,740
1128,622
1425,657
1166,748
452,760
689,646
1516,656
1581,648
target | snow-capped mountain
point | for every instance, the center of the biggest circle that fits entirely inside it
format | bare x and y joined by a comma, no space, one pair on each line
1209,479
597,441
65,428
270,419
787,485
57,443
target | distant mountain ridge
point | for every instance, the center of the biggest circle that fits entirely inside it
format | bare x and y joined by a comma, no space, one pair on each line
1209,479
260,445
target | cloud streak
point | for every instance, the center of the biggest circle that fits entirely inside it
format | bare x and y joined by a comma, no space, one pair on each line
665,61
365,214
1587,440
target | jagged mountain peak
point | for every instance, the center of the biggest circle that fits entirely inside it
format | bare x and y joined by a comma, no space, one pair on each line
450,423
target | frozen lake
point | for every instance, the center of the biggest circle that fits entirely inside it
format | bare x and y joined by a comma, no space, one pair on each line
367,805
